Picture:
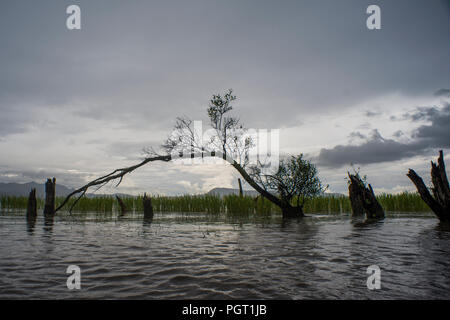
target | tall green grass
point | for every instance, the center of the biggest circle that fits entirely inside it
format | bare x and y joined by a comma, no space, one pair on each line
231,205
404,202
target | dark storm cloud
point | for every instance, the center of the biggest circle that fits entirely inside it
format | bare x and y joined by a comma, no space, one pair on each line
446,4
139,64
378,149
422,113
375,149
356,135
443,92
147,62
438,133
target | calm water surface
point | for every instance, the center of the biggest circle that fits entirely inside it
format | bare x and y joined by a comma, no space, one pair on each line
195,256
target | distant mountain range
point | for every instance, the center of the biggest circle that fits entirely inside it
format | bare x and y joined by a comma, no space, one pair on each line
23,189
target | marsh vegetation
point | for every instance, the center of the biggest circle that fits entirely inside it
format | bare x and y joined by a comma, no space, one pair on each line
231,204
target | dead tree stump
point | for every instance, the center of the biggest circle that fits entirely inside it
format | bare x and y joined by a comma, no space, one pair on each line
32,205
355,195
123,208
50,189
148,208
241,193
363,200
439,202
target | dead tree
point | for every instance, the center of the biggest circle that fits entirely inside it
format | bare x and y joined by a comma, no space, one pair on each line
148,208
355,195
123,208
50,189
31,211
229,142
362,199
32,205
118,174
439,202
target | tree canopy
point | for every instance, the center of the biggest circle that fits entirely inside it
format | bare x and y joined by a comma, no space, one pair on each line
294,179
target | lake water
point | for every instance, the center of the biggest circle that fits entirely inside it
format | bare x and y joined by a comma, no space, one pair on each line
196,256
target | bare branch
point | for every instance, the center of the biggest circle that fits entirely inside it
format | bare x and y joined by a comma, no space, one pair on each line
116,174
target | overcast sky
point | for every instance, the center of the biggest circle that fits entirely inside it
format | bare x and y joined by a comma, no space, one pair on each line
76,104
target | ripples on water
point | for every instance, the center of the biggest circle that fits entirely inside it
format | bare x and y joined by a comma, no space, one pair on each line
185,256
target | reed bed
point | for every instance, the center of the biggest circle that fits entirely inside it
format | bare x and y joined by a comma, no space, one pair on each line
232,205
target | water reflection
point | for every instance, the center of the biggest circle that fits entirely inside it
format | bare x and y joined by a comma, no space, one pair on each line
434,246
203,256
48,223
286,223
443,230
31,223
147,221
363,223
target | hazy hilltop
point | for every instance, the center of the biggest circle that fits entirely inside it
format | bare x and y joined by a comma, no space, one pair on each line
23,189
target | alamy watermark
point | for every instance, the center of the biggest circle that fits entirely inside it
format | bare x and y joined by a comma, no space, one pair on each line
373,22
374,280
73,21
259,147
74,280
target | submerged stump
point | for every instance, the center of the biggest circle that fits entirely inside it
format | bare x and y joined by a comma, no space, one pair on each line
50,191
31,210
148,208
32,204
356,199
439,202
123,208
363,200
288,211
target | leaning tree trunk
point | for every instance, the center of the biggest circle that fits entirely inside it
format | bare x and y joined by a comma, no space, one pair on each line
288,210
439,202
363,200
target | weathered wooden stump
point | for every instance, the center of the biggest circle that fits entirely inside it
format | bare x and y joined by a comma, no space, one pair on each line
123,208
355,195
31,211
363,200
148,208
50,189
241,193
439,203
32,205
